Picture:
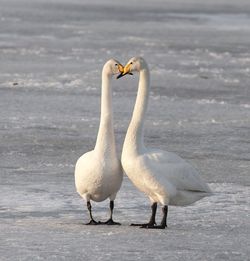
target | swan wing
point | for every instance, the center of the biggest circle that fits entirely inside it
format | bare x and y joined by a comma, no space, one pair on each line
168,168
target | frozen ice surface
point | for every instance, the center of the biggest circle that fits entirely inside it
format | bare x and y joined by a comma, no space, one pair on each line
51,55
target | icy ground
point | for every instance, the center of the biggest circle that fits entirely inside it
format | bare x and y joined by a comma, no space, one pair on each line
51,55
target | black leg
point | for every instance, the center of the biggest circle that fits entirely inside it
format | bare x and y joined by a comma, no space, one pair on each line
152,218
110,221
163,221
165,215
92,221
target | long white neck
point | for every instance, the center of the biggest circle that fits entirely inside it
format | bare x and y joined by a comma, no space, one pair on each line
105,142
134,141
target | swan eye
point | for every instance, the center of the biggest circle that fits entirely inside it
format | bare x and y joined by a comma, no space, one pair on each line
116,64
131,63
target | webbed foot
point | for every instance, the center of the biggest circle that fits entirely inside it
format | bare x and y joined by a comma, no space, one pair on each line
142,225
110,222
155,227
92,222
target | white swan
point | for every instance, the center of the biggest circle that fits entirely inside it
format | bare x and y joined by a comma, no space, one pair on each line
98,173
163,176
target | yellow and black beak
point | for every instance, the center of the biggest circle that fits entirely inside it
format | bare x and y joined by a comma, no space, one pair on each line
126,70
120,68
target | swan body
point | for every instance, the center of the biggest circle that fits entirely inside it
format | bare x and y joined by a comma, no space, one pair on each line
98,173
163,176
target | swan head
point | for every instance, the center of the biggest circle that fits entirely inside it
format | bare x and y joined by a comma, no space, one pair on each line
135,64
113,67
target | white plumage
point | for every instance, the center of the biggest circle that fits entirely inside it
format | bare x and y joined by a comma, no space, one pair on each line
98,173
163,176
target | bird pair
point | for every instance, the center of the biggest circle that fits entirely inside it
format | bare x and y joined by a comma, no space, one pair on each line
163,176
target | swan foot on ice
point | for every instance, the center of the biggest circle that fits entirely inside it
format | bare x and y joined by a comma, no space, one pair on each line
156,227
152,224
142,225
92,222
110,222
152,218
163,224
